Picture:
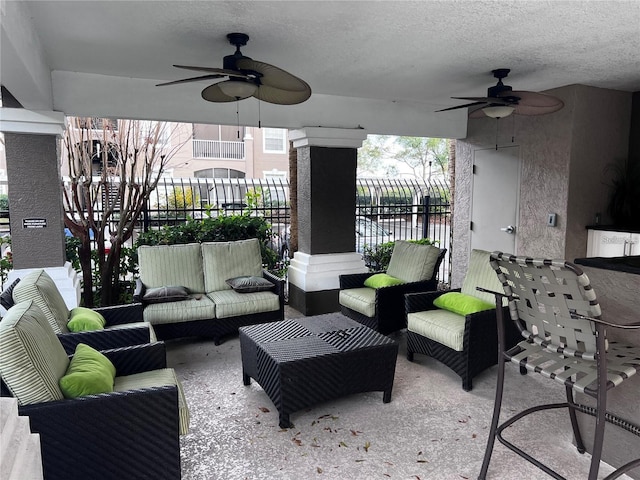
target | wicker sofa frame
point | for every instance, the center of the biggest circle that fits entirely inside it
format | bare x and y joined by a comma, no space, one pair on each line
129,434
389,311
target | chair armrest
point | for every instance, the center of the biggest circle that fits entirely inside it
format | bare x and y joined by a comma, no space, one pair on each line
419,302
354,280
626,326
277,281
106,339
109,432
137,358
120,314
138,293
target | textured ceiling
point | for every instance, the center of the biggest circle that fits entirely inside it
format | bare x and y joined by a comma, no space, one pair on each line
420,52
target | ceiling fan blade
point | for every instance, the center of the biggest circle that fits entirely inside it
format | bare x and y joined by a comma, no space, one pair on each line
279,96
192,79
462,106
534,103
273,76
213,93
220,71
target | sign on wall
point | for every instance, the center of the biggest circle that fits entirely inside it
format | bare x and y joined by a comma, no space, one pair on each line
34,222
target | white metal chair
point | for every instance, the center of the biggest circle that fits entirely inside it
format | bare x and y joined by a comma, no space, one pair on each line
555,309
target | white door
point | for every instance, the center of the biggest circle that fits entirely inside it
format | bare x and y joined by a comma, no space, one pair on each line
494,208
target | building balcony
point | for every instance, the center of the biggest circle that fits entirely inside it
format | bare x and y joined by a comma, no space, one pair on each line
218,149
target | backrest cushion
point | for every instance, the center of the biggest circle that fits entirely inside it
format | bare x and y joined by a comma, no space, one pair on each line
32,359
39,287
165,265
412,262
480,274
225,260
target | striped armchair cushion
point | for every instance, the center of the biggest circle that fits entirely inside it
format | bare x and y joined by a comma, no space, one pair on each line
412,262
32,359
164,265
39,287
480,274
224,260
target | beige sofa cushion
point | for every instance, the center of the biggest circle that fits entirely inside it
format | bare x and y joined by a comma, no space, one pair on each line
442,326
224,260
198,307
362,300
412,262
169,265
32,359
39,287
230,303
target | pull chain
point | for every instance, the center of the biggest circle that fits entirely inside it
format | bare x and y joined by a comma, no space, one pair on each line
497,120
238,116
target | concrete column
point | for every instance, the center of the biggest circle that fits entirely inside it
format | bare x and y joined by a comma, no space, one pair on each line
35,194
326,217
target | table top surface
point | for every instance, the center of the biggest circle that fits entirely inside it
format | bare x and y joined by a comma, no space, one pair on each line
310,337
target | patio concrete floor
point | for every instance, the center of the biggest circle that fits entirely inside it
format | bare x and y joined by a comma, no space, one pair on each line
431,429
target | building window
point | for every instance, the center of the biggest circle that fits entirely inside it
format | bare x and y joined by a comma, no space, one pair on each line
274,140
148,132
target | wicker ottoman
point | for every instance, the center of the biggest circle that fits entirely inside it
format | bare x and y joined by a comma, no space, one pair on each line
308,360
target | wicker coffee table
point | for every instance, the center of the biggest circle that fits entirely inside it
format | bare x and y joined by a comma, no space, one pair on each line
308,360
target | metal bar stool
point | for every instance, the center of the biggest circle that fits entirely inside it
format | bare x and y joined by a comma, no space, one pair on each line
555,309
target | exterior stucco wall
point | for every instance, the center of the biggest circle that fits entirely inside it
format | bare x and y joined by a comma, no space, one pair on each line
563,158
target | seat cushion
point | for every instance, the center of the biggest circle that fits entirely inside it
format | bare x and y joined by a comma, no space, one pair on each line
32,359
412,262
39,287
441,326
230,303
225,260
157,378
163,265
152,333
197,307
362,300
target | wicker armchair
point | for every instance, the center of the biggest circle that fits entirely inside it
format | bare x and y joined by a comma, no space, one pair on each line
554,307
132,432
382,309
124,325
467,344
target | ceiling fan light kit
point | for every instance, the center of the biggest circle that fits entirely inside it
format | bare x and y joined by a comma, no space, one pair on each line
498,111
245,77
502,101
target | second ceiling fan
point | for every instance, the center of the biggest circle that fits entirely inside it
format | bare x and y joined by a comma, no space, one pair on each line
246,78
501,101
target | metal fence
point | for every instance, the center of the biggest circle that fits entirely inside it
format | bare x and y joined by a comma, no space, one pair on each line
386,210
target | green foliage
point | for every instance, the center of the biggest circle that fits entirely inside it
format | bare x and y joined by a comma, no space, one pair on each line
71,245
183,198
223,228
377,257
4,202
6,261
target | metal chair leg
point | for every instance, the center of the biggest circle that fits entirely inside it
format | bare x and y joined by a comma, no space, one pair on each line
497,404
574,421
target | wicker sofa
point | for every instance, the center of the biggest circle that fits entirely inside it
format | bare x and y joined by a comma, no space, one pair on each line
210,307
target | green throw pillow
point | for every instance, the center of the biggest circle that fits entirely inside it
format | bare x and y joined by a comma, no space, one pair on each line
83,319
461,303
379,280
89,373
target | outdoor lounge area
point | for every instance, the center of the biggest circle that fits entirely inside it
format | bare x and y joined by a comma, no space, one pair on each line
431,429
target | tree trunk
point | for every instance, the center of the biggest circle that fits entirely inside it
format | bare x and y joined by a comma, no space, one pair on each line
84,255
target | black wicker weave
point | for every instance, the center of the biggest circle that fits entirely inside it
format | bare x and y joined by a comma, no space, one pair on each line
218,328
389,316
480,341
111,338
309,360
112,436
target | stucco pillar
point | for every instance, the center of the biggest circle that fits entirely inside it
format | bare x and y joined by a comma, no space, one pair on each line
326,217
35,196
